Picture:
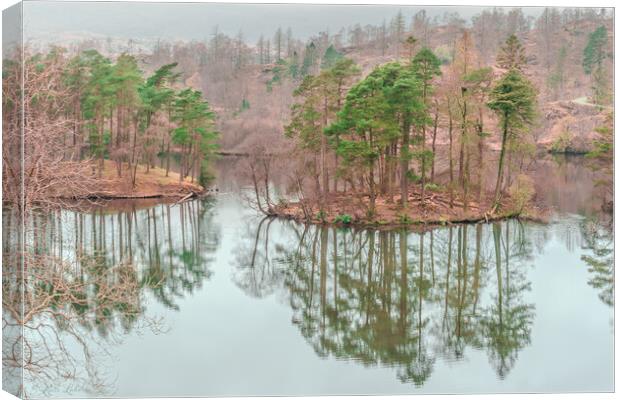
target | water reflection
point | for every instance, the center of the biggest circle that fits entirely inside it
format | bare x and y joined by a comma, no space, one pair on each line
402,299
408,302
86,277
257,275
599,242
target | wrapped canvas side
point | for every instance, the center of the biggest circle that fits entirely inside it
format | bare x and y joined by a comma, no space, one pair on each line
12,203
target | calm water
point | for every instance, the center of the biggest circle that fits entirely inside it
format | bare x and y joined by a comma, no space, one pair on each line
207,298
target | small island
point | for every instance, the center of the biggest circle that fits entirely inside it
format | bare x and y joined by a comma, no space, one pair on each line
409,142
438,208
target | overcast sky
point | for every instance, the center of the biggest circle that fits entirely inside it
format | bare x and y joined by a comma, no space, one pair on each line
188,21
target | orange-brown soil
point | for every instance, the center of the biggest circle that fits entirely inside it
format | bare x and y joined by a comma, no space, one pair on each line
435,210
151,184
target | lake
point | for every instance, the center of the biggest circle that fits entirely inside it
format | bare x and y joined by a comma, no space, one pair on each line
208,298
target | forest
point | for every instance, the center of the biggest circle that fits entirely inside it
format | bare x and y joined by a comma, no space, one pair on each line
94,129
432,121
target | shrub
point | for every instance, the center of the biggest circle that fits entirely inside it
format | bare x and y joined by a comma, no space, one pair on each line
245,105
404,219
562,143
343,219
321,215
412,177
521,191
432,186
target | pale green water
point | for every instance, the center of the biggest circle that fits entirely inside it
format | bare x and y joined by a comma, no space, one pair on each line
226,303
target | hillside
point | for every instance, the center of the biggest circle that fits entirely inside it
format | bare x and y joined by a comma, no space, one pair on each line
252,92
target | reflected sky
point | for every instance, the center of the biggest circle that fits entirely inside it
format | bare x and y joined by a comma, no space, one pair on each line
257,320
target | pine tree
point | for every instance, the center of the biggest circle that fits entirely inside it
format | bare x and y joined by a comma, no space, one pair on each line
398,29
557,77
195,132
278,40
594,52
97,99
594,55
478,83
157,95
330,58
366,126
76,78
309,61
603,156
125,80
321,97
411,43
513,98
426,67
512,54
378,112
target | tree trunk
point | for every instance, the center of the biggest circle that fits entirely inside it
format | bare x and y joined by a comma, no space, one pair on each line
316,174
404,166
423,178
324,151
266,169
462,144
256,192
336,161
480,158
451,160
101,148
373,190
435,123
466,180
500,168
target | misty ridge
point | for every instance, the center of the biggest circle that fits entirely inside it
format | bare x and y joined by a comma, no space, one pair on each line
148,21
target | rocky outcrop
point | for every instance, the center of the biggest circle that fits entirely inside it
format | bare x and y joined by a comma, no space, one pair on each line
568,126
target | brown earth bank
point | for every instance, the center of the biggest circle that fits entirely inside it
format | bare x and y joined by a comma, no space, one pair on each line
349,209
148,184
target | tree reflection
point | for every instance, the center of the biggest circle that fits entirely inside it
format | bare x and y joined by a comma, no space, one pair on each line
598,241
85,279
396,298
256,274
506,324
459,289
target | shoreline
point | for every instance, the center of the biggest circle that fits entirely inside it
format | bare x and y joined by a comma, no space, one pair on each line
343,210
148,185
416,225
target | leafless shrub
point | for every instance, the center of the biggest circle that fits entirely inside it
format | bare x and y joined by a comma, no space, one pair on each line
36,166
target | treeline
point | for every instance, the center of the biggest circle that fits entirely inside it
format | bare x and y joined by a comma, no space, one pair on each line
488,28
108,109
365,136
226,62
129,118
253,79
